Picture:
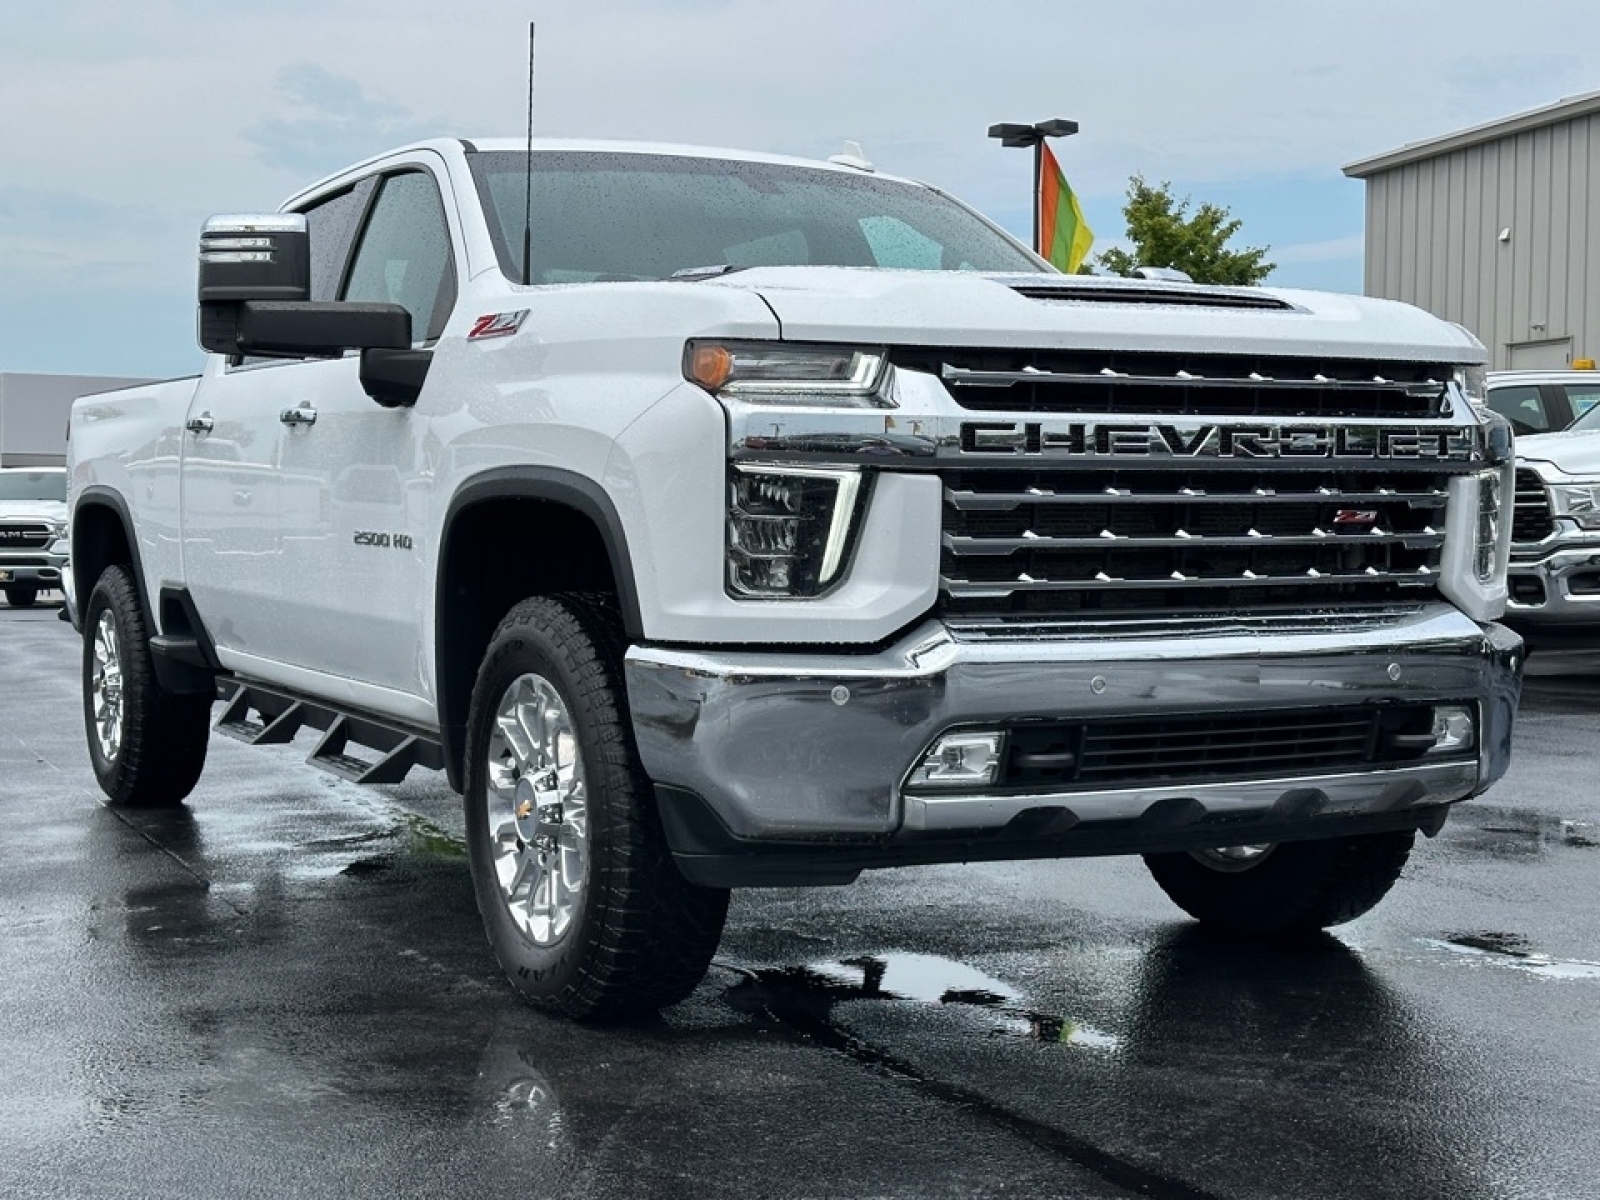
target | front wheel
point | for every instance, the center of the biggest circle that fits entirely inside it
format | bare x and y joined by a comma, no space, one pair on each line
147,745
580,898
1284,889
21,597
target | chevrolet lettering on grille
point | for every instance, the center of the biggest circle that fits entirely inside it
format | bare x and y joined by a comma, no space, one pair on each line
1137,440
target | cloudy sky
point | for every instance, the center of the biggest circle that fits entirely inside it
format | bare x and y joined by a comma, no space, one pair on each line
123,126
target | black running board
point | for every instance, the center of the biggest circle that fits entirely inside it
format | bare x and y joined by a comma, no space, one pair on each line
264,716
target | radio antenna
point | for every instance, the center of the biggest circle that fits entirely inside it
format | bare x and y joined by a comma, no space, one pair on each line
527,195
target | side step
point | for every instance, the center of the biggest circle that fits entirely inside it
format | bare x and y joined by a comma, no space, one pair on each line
264,716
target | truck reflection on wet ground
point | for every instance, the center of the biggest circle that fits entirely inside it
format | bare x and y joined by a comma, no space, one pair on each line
802,1000
807,994
1513,951
1223,1043
1499,832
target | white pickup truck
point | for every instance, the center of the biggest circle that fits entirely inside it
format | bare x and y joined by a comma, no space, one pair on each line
33,531
1554,576
720,520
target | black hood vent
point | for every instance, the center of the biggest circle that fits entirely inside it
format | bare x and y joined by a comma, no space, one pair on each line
1077,290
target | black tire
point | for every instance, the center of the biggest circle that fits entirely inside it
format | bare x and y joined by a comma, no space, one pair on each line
147,745
637,935
21,597
1294,888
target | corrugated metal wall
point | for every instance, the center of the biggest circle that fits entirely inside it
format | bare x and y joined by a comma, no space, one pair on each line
1434,237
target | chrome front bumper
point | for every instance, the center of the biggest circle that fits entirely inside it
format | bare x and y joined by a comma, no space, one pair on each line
1562,588
36,568
784,748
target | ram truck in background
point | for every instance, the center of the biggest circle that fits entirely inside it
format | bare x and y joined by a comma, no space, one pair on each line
724,520
33,532
1554,576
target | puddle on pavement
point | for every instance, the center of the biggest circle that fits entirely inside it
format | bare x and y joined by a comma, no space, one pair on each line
1516,832
810,992
1513,951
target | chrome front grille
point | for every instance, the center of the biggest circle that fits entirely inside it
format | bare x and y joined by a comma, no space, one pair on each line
1530,517
1124,542
1199,385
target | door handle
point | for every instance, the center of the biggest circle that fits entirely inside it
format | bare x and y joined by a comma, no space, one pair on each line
303,415
201,424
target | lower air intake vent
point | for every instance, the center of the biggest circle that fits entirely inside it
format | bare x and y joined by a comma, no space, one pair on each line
1153,751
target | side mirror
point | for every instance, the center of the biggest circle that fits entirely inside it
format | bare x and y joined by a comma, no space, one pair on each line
300,328
255,258
255,295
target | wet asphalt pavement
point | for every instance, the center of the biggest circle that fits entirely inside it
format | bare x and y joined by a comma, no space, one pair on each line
283,990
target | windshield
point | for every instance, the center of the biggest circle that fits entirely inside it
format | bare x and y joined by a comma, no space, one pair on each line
606,216
33,485
1590,420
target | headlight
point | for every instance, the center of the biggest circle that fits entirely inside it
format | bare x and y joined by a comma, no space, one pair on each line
1474,384
1486,551
790,374
789,529
1578,502
1477,542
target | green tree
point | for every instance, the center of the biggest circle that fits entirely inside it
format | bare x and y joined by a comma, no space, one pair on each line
1165,235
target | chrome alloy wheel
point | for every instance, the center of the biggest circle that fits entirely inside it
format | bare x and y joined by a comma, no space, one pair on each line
105,687
538,809
1232,858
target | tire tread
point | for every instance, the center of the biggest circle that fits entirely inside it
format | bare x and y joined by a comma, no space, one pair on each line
164,734
656,931
1300,888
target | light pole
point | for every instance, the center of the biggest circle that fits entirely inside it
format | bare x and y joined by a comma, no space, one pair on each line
1034,135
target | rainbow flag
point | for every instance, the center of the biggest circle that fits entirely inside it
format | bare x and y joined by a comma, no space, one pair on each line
1064,236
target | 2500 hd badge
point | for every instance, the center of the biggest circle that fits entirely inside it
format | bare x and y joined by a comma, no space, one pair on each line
370,537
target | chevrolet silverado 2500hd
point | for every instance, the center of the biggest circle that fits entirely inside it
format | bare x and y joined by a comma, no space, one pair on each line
720,520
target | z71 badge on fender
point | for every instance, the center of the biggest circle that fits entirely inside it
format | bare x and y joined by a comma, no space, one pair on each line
1102,439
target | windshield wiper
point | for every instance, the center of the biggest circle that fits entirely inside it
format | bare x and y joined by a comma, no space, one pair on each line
690,274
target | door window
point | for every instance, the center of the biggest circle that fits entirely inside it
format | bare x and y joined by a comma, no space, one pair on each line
1522,405
331,224
404,256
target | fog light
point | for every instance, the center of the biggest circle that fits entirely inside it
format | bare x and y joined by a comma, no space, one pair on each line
1454,729
960,760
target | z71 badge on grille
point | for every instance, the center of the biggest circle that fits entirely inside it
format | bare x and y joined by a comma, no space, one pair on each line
1133,440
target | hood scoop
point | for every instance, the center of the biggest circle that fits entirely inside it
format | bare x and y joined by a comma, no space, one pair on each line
1078,290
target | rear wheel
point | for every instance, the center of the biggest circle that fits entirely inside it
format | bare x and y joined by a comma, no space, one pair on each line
21,597
580,898
1289,888
147,745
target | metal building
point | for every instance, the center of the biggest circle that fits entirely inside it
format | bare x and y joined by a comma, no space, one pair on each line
33,414
1497,227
